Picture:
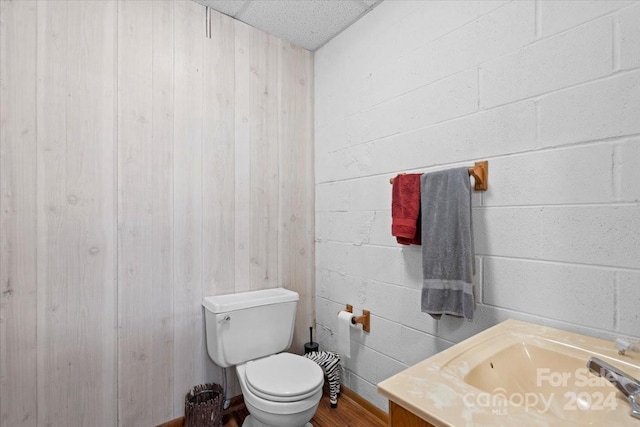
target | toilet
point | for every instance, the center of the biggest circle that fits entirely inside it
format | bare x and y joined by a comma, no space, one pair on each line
250,330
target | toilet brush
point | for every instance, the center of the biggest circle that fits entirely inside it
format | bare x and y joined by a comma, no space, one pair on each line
311,346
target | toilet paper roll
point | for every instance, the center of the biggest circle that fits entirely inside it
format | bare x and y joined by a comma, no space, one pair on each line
344,334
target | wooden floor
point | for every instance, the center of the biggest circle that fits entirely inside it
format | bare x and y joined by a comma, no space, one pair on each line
349,413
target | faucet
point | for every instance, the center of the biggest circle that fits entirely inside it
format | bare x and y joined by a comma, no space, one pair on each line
628,385
625,345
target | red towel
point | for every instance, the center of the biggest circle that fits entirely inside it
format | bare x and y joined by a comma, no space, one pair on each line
405,209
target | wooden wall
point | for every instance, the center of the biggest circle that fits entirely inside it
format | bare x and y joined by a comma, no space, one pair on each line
143,166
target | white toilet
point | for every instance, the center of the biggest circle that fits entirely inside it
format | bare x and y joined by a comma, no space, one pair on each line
248,330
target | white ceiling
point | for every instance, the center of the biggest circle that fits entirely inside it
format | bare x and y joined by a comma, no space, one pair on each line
307,23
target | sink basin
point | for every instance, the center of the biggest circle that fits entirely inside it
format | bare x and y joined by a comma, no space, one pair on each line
516,373
547,380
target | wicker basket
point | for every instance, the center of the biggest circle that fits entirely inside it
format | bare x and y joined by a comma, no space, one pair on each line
203,406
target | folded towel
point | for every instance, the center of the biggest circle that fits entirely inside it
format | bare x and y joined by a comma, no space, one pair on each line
405,209
447,251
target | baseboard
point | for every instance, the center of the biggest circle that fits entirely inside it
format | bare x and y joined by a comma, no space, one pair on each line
368,406
234,404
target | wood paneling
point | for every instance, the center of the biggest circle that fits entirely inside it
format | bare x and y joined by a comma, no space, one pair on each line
296,219
18,231
218,153
189,352
262,112
242,156
77,214
53,340
135,215
143,167
145,147
161,288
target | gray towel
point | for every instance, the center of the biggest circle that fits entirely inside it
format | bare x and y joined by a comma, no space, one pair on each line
447,244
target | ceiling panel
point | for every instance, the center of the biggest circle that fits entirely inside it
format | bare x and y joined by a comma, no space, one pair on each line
228,7
307,23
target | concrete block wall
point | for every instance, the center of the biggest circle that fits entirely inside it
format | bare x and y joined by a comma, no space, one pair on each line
549,93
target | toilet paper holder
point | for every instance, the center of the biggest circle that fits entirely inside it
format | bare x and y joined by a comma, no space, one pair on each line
364,320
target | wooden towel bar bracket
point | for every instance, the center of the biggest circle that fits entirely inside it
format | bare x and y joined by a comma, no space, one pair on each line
364,320
480,173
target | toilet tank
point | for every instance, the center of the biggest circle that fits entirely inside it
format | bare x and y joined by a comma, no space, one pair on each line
249,325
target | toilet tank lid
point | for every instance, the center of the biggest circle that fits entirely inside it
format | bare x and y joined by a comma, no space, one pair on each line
238,301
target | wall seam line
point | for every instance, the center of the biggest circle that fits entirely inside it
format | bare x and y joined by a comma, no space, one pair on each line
117,210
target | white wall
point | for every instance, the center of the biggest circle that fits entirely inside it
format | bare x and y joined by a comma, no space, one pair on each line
549,93
142,167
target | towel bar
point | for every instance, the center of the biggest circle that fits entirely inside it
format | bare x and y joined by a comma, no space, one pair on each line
480,173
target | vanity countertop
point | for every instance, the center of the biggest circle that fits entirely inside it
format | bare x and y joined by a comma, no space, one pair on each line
439,389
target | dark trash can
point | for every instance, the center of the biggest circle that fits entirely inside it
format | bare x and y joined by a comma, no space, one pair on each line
203,406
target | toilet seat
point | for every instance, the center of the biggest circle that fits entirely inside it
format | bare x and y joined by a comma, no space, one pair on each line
283,377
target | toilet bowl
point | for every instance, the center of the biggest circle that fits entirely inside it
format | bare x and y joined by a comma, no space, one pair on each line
250,331
282,390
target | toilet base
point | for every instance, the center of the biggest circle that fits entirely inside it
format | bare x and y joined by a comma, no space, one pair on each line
252,422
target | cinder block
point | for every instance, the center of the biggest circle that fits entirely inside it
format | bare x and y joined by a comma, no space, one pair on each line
334,285
508,231
629,20
370,194
384,300
350,290
572,293
368,391
324,287
398,29
412,315
331,138
366,133
448,328
552,177
327,313
629,304
601,235
574,57
387,367
332,196
418,346
347,227
560,15
412,270
385,337
445,99
327,339
375,262
346,163
499,131
333,256
365,194
497,33
362,362
329,69
425,22
381,229
627,171
603,109
456,330
487,316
